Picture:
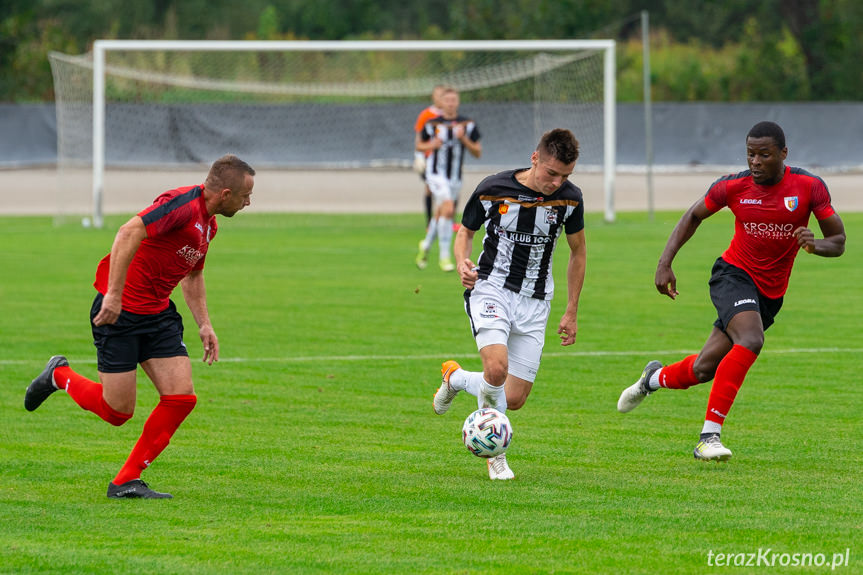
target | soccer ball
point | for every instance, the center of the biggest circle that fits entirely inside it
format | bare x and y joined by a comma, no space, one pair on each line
486,432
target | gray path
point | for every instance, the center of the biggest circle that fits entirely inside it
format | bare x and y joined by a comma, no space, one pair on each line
48,191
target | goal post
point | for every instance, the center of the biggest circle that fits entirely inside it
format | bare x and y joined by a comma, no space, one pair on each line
329,95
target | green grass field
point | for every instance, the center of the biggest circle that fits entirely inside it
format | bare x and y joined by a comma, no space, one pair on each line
314,448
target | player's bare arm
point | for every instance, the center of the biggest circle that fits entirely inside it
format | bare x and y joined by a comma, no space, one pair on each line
419,145
462,248
475,148
429,145
126,242
575,270
195,294
665,280
833,243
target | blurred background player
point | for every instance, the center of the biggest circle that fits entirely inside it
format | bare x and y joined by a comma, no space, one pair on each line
432,111
771,204
508,295
134,321
446,138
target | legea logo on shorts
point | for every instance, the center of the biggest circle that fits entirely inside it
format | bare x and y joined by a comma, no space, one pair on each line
744,301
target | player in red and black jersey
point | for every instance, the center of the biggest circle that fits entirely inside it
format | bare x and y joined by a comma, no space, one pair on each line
772,204
134,321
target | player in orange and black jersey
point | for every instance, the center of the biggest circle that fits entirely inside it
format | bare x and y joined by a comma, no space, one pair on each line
134,321
772,204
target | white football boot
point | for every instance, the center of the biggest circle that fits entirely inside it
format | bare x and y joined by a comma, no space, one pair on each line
446,265
709,448
498,468
633,395
422,259
445,393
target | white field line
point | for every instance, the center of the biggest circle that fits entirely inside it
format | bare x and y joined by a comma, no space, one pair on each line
425,357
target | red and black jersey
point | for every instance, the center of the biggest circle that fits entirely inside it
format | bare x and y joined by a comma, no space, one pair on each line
179,231
765,218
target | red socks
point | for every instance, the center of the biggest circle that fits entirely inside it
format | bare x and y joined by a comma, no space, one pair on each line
729,377
158,429
88,394
727,381
160,426
679,375
64,375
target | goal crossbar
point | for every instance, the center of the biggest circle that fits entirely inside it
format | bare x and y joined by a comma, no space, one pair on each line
101,47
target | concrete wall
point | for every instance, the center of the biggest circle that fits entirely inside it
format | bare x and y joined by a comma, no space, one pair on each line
825,135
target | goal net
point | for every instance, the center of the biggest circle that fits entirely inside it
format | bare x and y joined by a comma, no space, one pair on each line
155,105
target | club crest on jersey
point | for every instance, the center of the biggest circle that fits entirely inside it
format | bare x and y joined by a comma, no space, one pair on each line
550,216
791,203
489,310
206,234
503,208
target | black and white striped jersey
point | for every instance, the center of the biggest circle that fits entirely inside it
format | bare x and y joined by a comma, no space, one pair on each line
521,231
447,160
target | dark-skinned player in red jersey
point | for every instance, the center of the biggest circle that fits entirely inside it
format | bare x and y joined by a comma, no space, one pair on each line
771,203
134,321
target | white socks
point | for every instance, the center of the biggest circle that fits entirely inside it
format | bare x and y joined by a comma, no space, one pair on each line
711,427
492,396
463,380
444,234
431,234
475,384
653,382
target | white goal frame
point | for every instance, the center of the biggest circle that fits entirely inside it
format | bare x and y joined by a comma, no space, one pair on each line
101,47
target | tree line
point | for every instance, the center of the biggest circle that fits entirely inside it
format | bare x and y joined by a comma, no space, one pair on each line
701,50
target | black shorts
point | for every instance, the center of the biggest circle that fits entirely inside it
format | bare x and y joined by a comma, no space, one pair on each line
733,291
135,338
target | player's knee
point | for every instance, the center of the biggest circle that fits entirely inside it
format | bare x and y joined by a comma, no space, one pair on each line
514,403
114,416
495,374
745,330
704,370
753,343
117,418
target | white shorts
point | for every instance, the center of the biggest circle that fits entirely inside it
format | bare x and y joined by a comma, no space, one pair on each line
501,316
442,188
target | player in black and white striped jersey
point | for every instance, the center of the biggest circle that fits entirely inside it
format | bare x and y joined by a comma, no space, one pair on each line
448,138
508,296
522,231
